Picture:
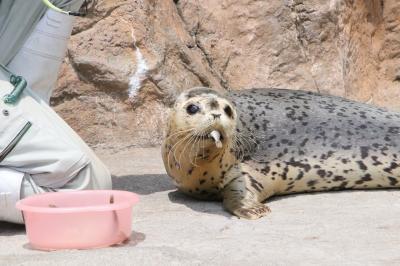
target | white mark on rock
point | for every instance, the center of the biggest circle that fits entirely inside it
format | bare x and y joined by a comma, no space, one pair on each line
135,81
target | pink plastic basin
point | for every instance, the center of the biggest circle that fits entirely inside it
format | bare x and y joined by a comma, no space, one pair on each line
78,219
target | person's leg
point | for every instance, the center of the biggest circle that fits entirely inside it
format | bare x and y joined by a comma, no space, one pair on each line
38,111
50,154
10,188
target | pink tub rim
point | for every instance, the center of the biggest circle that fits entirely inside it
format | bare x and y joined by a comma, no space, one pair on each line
24,205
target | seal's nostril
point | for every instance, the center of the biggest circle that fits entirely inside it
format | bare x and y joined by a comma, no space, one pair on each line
216,115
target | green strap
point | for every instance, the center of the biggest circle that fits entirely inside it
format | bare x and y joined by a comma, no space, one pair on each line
71,13
51,6
19,86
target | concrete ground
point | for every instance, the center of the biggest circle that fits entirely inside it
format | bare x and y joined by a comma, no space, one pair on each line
343,228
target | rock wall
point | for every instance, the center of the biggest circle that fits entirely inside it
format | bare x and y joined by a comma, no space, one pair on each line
128,60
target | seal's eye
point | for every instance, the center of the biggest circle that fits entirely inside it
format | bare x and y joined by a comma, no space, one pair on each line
228,111
192,109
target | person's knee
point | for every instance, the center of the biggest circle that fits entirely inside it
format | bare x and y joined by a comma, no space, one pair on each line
60,169
74,169
94,175
101,176
58,163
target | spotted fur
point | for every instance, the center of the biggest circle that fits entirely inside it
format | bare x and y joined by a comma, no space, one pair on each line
291,142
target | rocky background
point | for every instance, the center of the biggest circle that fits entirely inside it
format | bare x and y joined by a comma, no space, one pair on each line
128,60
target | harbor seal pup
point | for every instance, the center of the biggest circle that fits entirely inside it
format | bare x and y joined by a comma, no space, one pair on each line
246,146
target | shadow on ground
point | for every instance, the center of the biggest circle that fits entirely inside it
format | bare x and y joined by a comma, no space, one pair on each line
143,184
148,184
215,207
210,207
134,239
9,229
345,191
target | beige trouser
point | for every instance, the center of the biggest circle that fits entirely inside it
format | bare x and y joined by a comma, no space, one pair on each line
49,156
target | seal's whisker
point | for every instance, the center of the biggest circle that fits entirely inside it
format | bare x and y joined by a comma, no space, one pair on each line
172,151
174,148
190,132
181,141
192,152
199,136
192,138
180,132
236,149
246,138
199,140
186,139
177,144
239,148
245,142
195,150
177,134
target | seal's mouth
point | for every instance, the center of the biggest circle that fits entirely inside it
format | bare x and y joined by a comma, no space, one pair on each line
214,136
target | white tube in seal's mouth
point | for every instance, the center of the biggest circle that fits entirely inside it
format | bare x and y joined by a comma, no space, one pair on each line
216,136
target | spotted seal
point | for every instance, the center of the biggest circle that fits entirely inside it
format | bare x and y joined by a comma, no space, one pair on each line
246,146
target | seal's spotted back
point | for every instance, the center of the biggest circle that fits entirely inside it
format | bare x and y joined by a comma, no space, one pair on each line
331,142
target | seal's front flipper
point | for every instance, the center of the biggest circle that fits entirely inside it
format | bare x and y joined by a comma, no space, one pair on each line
242,201
252,211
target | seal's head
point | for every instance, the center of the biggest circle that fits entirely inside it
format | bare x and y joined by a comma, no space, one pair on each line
199,140
206,115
